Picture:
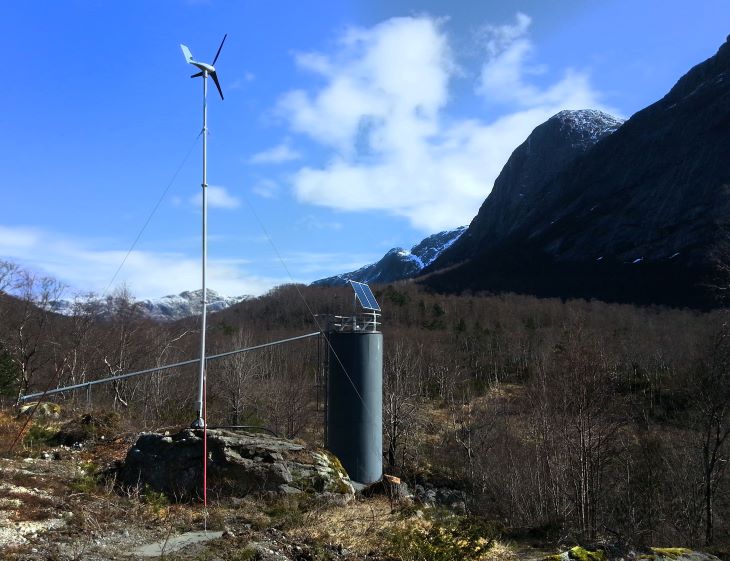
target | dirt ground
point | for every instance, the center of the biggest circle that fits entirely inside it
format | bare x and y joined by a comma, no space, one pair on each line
56,503
62,503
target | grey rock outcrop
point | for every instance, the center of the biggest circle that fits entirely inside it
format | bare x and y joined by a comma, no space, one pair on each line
238,464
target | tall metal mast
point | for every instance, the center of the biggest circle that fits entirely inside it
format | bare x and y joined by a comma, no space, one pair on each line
205,71
200,418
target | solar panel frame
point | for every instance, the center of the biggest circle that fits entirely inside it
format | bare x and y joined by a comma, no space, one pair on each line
360,294
365,296
371,297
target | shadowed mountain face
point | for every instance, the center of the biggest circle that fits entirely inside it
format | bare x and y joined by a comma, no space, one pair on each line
638,216
398,263
522,186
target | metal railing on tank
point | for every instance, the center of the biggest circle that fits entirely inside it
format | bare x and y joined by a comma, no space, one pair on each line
367,320
364,322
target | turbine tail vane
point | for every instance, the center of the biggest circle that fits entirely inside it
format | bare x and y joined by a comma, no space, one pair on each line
187,54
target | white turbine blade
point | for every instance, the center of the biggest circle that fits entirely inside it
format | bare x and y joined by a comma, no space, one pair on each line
186,52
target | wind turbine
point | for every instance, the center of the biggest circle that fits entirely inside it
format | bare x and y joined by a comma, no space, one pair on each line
205,71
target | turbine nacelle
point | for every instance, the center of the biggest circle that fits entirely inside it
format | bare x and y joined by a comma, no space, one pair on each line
205,68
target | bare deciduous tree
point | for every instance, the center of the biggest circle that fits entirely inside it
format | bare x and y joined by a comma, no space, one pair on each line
26,334
401,373
122,345
236,375
709,389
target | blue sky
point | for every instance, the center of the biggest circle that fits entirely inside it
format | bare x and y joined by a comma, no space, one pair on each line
348,127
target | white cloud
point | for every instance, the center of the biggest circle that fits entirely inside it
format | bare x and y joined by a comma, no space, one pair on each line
218,197
87,266
276,155
240,82
503,74
397,70
311,222
267,188
382,112
18,238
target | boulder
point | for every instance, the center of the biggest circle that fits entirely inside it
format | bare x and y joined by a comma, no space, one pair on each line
88,427
43,410
441,496
239,463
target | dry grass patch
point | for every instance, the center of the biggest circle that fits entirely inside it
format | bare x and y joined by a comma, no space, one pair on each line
500,551
10,426
357,526
372,525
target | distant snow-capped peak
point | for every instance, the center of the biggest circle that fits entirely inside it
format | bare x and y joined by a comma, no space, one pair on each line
167,308
399,263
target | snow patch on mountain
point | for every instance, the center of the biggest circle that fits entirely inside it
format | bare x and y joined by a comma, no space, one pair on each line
188,303
594,124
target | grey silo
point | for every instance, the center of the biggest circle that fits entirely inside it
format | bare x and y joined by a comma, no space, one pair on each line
355,389
355,403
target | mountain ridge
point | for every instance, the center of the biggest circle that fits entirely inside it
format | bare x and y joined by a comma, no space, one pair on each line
521,185
398,263
639,217
166,308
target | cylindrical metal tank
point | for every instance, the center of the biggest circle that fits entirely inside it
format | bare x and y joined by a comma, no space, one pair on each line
355,404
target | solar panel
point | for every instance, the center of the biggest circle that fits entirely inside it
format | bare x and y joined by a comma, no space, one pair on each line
365,296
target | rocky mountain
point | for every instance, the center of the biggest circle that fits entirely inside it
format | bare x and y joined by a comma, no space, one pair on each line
522,184
639,216
399,263
167,308
176,306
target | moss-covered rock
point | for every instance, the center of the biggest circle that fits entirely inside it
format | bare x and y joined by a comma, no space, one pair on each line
613,553
43,410
676,554
89,427
670,552
579,553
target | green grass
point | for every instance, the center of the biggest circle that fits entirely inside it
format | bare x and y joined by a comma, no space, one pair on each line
156,500
39,435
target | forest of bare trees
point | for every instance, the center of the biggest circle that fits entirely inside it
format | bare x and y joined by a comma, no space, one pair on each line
562,419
